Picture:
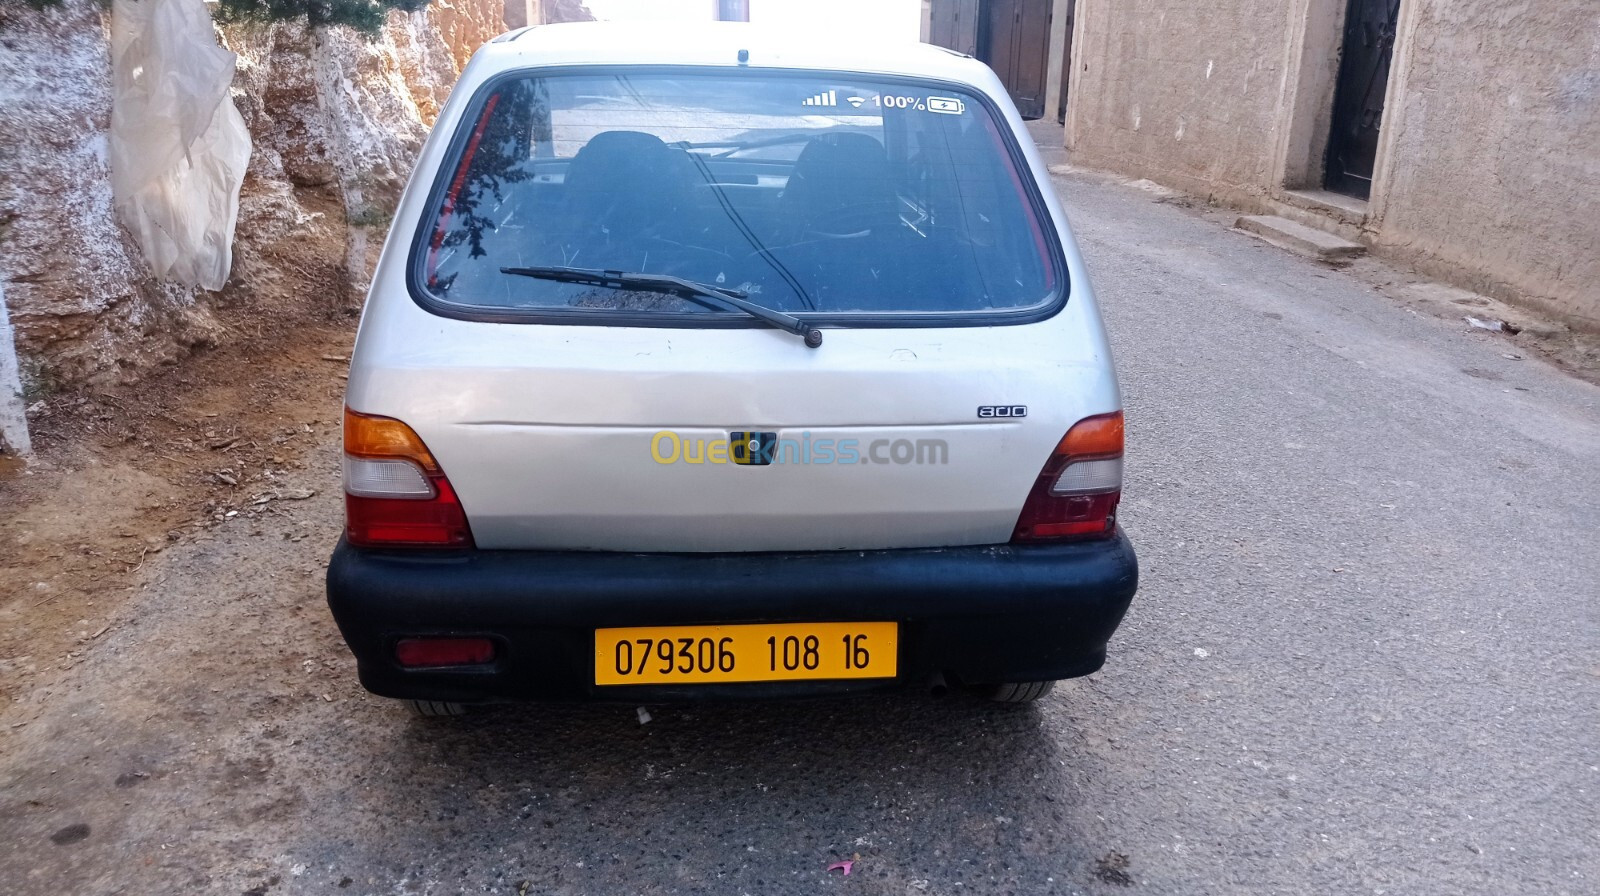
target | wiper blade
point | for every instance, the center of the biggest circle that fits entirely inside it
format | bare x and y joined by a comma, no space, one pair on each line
726,298
735,146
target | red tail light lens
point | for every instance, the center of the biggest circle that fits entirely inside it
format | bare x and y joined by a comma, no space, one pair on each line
379,522
395,493
1076,494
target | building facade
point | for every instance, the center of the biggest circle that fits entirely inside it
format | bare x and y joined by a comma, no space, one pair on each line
1459,136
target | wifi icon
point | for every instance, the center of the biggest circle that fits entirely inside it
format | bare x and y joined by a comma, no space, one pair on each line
855,100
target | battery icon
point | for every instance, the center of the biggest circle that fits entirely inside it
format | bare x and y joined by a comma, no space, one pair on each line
945,104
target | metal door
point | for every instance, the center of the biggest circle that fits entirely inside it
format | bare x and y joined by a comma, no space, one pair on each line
1369,31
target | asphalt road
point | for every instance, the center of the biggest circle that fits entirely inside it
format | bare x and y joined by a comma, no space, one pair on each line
1365,658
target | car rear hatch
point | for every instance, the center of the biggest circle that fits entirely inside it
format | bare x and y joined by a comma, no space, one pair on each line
900,216
621,439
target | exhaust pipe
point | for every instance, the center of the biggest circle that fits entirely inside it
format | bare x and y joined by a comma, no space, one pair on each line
937,686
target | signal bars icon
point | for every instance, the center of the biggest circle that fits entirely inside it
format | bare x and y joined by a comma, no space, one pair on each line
825,98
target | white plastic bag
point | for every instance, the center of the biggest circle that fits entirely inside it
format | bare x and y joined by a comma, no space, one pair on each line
178,146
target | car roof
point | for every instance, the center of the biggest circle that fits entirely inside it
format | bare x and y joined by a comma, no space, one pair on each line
718,44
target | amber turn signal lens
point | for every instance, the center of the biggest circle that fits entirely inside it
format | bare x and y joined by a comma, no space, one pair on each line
1093,437
367,435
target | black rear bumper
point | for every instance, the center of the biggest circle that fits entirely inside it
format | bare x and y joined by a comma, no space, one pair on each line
972,614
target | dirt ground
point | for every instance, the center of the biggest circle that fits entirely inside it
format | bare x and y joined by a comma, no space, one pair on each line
124,470
122,475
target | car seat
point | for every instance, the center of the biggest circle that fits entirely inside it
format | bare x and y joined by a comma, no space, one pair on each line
621,188
843,238
841,186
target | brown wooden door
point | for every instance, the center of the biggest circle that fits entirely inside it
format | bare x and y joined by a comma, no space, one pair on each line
1014,39
954,24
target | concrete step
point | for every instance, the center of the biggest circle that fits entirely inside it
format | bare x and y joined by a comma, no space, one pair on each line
1339,207
1286,234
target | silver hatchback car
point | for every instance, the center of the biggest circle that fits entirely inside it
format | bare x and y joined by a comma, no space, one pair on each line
712,364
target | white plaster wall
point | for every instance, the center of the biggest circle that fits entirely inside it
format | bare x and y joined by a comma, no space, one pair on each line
1180,91
1489,173
1058,47
898,20
1491,157
889,20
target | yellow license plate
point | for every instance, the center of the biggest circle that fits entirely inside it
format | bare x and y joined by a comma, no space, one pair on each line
709,654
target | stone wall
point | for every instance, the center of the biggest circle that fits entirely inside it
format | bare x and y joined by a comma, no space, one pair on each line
466,25
336,120
73,279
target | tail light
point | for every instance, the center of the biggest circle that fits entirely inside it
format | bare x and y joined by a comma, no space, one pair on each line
395,494
1076,494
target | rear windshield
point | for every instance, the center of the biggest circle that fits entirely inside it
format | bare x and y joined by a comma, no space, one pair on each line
814,194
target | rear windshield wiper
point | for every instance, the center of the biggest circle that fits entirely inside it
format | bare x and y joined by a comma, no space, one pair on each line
726,298
731,147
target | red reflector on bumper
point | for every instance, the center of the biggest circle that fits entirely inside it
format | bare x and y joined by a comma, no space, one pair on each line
419,653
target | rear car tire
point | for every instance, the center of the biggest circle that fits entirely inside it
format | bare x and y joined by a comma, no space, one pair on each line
437,709
1019,691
